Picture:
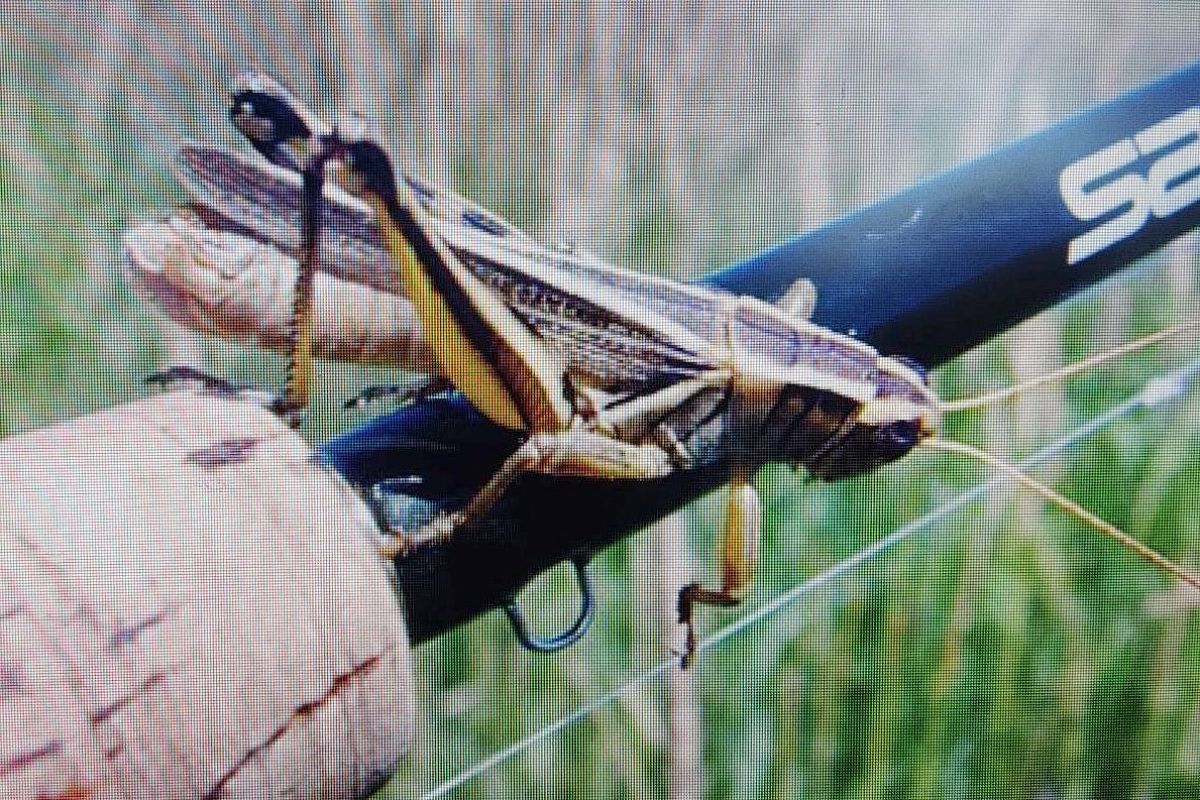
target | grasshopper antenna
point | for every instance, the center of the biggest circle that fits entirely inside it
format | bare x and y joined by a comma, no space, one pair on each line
1069,370
1066,504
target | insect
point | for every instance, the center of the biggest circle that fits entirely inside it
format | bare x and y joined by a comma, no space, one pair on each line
609,373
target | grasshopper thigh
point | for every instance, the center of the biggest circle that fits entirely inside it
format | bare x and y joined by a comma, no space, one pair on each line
481,344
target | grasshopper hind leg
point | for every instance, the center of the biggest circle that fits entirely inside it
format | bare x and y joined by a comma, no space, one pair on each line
739,557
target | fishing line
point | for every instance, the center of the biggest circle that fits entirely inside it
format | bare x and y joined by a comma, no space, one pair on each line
1156,391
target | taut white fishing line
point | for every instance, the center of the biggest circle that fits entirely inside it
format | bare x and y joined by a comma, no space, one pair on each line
1157,390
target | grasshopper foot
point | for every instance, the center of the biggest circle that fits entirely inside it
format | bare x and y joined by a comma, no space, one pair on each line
437,531
175,376
687,596
402,394
185,376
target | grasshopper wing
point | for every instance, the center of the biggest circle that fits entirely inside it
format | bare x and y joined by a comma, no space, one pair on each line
619,330
263,201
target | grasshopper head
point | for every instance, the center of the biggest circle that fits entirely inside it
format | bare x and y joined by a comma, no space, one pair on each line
903,413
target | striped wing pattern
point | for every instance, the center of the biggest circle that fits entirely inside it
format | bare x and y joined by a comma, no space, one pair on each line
582,306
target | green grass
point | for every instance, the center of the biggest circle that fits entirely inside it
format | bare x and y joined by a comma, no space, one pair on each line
1005,651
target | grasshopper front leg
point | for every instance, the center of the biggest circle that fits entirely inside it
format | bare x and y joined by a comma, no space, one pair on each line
739,557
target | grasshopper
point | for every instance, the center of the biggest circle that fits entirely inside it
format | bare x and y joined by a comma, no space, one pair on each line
609,373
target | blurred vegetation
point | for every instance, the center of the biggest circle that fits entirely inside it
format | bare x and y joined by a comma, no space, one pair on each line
1005,652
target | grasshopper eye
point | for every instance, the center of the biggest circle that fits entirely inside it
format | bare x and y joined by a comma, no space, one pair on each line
896,438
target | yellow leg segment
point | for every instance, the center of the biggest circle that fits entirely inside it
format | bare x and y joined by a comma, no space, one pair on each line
739,558
297,387
507,372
